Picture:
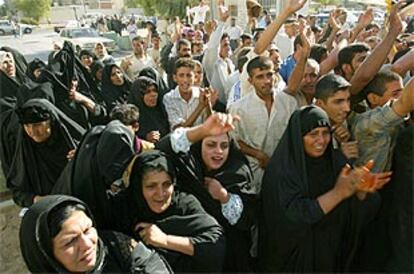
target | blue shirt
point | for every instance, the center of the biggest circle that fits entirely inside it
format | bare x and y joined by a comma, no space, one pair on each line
287,68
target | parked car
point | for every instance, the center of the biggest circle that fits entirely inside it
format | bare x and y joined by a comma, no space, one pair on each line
86,38
6,27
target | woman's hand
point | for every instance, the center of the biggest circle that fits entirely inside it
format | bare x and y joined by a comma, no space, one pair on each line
219,123
216,190
152,235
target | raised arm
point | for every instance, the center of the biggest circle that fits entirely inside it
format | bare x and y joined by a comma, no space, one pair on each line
367,70
270,32
297,74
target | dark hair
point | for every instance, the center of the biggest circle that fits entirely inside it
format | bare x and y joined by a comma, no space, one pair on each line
224,36
400,54
182,42
241,61
59,215
317,52
348,53
259,62
296,42
128,114
183,62
137,38
372,25
158,168
381,79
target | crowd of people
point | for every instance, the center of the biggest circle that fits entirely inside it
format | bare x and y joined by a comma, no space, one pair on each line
281,147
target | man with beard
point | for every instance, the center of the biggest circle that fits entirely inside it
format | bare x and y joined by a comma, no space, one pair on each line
137,61
306,92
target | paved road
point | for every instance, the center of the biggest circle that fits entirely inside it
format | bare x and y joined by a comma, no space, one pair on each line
39,44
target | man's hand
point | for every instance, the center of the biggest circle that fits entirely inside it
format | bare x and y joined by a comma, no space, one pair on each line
366,18
350,149
224,13
295,5
262,158
396,24
341,134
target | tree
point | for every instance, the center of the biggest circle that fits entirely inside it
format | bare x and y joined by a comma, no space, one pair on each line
328,2
35,9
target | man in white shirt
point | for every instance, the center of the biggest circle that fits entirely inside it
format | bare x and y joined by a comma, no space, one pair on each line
216,62
264,115
235,33
137,61
199,12
184,104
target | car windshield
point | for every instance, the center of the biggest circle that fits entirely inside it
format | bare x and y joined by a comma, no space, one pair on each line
77,33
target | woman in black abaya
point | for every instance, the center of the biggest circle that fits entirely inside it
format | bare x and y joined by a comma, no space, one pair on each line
310,219
214,170
44,140
115,86
58,235
171,221
153,119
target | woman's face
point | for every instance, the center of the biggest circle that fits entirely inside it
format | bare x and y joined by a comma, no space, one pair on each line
87,61
215,151
117,78
38,132
151,96
75,246
37,72
198,76
157,189
99,50
316,141
98,74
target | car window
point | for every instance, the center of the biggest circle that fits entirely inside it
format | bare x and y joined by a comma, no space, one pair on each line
77,33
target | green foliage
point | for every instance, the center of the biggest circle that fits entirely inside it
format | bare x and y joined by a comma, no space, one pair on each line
329,2
28,20
162,7
34,9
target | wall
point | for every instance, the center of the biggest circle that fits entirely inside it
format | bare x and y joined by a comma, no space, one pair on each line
11,260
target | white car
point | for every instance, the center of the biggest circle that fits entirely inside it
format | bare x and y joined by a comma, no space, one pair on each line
86,38
6,27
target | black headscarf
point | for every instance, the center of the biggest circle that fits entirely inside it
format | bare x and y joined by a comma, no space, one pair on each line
157,77
20,62
294,233
96,65
112,94
36,238
184,217
150,118
36,166
32,66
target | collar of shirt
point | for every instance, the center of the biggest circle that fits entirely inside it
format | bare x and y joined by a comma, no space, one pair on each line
195,94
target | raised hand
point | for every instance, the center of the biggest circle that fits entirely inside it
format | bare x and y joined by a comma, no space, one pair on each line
295,5
224,13
396,24
219,123
366,18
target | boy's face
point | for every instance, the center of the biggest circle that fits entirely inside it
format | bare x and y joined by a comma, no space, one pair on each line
184,77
